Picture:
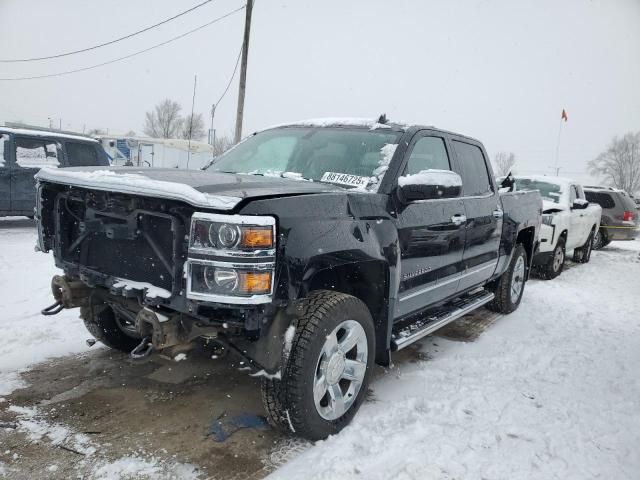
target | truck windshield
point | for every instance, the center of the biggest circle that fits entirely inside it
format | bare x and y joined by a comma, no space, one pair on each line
548,191
352,157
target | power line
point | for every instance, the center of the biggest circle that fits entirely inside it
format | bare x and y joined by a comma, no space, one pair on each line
235,69
35,77
111,42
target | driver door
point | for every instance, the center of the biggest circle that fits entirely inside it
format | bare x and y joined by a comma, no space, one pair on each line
431,233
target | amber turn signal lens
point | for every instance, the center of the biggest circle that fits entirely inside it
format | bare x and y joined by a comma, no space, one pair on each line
257,237
255,282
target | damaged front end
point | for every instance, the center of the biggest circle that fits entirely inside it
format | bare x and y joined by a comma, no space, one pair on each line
166,275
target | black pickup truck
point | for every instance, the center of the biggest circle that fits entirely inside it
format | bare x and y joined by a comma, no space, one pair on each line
314,250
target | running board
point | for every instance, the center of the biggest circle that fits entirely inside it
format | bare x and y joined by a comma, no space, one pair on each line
423,326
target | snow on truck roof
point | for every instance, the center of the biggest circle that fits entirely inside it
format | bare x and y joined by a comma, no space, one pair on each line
45,133
371,123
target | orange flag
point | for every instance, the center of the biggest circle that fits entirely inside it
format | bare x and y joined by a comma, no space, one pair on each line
564,115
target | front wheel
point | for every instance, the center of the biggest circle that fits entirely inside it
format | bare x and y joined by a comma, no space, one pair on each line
326,374
510,286
556,264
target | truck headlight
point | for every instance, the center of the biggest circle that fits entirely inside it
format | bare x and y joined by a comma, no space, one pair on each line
547,219
211,232
231,258
229,283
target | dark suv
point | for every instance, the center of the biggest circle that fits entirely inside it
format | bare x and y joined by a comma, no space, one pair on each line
619,215
24,151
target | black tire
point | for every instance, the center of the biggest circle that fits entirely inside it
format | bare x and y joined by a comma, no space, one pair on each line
289,402
583,254
554,268
601,239
504,300
101,322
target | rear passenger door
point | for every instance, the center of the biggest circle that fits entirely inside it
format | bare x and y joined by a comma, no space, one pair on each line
483,213
5,172
431,232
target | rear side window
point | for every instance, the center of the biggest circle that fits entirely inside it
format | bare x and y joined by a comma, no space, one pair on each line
474,173
81,154
605,200
36,153
428,153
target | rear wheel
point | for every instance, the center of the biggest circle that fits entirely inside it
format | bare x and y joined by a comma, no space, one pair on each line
326,375
556,264
510,287
600,239
583,254
107,327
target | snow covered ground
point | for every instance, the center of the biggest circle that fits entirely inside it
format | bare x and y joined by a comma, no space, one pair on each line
551,391
27,337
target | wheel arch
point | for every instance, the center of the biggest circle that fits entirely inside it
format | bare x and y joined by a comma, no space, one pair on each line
366,280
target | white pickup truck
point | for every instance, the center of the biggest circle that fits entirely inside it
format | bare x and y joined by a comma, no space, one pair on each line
569,222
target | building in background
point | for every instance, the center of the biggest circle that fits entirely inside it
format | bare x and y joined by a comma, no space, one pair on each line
156,152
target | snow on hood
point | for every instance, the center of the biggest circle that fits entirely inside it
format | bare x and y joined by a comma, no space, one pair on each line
445,178
549,205
137,184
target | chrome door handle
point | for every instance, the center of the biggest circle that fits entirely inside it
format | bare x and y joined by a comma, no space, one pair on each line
458,219
498,213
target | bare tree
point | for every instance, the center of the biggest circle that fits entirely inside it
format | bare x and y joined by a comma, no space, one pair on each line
222,144
619,164
164,121
504,163
195,130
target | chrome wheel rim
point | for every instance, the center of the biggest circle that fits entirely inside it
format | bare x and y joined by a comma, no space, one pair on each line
558,258
340,370
517,280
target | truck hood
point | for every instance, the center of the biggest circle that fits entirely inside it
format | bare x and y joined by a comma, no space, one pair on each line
220,191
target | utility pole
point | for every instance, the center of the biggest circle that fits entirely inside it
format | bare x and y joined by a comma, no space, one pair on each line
193,103
243,70
213,113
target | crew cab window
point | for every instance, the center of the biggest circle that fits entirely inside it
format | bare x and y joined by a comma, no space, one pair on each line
474,172
605,200
36,153
428,153
4,140
81,154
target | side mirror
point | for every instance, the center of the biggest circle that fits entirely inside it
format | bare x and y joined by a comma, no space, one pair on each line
579,204
429,185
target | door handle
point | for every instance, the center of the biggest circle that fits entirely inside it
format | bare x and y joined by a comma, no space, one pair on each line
498,213
459,219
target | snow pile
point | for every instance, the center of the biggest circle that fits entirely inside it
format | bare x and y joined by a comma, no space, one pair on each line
445,178
550,391
27,337
36,428
137,184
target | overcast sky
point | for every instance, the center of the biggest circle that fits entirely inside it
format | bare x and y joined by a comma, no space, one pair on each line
500,71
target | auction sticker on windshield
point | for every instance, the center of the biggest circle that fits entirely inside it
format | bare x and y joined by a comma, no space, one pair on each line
344,179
